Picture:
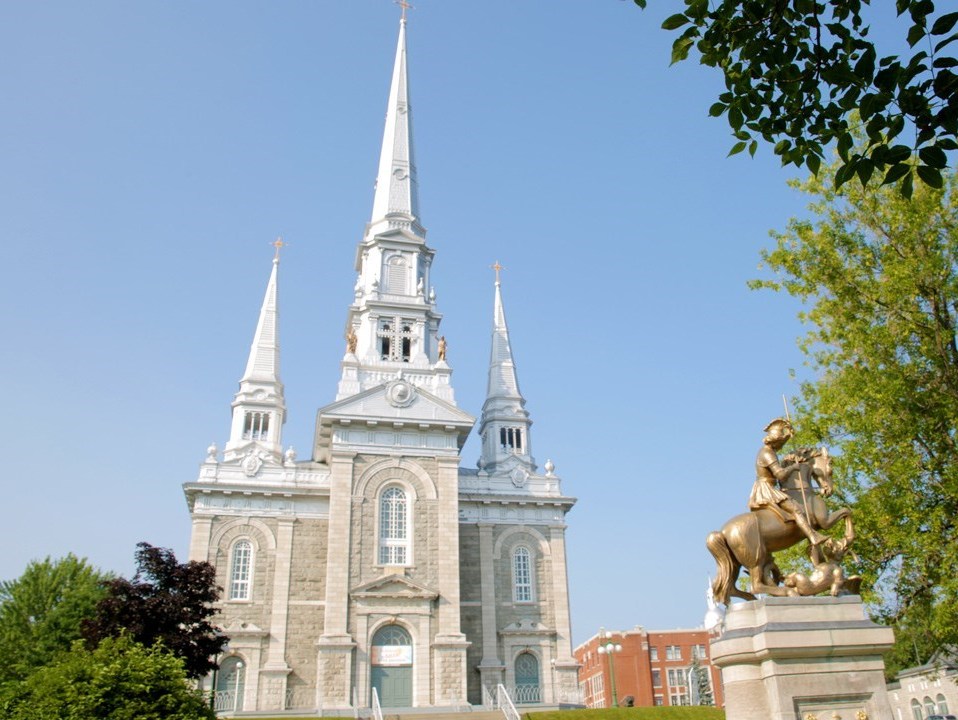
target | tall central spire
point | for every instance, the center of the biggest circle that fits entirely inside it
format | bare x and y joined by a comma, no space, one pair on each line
393,324
397,191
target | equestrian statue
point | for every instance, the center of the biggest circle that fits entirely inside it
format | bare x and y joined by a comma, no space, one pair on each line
784,509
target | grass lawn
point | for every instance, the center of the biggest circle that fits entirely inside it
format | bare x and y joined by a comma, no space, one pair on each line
634,713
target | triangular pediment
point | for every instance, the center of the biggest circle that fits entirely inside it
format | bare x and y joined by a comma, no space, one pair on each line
396,401
240,628
394,586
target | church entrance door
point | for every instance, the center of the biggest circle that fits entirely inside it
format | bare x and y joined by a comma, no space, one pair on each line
392,666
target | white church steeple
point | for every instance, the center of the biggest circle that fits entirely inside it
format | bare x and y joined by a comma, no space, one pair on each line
259,409
393,325
504,425
397,193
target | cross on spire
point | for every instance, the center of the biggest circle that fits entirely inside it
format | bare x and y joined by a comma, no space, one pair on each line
497,267
405,6
278,243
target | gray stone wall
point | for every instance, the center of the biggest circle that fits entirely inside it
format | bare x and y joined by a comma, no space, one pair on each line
471,619
308,563
470,578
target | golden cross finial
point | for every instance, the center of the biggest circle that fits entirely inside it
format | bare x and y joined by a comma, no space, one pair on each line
497,267
278,243
405,6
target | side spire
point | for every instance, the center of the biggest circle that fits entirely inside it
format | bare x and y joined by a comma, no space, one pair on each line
259,407
504,425
397,190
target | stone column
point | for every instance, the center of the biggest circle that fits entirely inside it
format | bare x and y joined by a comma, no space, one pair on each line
490,667
814,657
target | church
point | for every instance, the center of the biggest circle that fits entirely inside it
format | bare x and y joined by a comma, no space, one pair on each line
379,567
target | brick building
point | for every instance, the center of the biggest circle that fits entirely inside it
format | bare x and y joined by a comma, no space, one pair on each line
652,667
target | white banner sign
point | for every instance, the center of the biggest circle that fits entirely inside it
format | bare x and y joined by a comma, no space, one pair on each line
392,654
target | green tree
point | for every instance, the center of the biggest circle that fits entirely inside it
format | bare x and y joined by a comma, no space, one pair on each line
878,277
701,690
42,610
166,602
801,74
119,680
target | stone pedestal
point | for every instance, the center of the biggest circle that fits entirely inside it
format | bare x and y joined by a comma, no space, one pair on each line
816,658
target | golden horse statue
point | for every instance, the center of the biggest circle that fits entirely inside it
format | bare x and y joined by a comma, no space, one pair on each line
748,540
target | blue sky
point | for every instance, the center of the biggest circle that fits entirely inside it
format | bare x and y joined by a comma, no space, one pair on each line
150,152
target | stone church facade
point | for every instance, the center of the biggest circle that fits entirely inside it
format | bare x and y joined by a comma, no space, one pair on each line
379,563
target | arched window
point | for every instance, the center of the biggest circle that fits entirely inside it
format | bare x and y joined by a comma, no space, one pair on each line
522,574
393,527
942,704
240,570
929,705
527,678
916,710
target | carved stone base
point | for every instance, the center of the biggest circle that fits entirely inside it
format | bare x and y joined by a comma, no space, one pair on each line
815,658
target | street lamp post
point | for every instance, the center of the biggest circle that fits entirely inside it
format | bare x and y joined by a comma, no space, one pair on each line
236,698
610,648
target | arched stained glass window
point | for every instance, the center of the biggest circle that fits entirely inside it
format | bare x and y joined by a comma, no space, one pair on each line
393,527
240,570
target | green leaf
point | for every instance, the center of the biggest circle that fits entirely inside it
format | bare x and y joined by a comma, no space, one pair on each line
916,34
736,149
844,174
907,185
735,118
675,21
944,23
933,157
640,3
930,176
813,162
897,154
717,109
896,173
864,168
680,49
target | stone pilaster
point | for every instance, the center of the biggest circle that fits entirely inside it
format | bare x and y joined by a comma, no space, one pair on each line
560,597
275,671
447,483
490,667
449,672
334,662
340,521
200,539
